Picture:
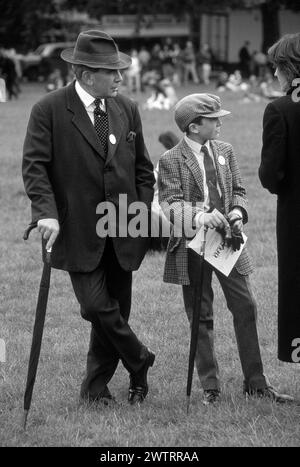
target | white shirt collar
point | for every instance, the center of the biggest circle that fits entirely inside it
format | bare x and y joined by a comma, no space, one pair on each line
196,147
84,96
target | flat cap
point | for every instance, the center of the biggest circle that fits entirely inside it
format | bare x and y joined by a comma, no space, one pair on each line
197,105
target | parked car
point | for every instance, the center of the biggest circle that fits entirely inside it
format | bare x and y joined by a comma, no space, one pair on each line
44,60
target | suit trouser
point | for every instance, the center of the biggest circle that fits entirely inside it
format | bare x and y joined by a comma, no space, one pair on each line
241,303
105,298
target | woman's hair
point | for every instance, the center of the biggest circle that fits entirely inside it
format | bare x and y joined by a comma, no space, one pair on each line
285,54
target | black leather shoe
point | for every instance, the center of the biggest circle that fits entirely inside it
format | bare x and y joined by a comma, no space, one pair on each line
138,388
269,393
210,396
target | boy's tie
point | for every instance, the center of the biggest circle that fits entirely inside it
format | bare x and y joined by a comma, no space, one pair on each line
215,201
101,123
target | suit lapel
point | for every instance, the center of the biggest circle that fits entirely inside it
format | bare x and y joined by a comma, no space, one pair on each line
115,125
192,164
81,119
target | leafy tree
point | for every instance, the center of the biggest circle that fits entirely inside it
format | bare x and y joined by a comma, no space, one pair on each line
23,23
194,8
142,7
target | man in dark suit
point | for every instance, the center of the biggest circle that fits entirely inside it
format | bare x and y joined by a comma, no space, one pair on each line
84,147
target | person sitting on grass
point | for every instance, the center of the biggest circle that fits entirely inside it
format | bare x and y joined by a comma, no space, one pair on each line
221,81
200,185
267,88
163,95
234,81
55,80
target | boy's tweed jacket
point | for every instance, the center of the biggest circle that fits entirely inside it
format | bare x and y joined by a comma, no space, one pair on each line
180,185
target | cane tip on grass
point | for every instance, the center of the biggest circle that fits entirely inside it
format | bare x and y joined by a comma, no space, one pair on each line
24,419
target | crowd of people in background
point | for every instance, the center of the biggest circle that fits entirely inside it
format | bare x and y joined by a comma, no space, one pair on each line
171,62
165,67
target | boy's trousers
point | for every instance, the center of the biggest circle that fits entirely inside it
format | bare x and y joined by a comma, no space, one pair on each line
241,303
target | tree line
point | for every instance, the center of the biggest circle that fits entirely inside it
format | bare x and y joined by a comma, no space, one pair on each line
23,23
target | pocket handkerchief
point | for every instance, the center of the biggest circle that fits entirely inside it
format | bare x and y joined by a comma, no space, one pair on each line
130,137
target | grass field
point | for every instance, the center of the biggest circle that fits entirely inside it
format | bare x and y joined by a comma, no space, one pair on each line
56,418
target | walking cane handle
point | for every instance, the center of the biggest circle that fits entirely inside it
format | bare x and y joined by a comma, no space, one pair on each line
46,252
202,250
27,231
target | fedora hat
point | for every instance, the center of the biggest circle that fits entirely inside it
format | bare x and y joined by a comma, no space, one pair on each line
198,105
96,49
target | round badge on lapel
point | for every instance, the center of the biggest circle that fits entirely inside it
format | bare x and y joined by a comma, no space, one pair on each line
112,139
221,160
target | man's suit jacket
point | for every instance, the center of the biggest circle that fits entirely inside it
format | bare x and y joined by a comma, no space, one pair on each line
66,175
180,183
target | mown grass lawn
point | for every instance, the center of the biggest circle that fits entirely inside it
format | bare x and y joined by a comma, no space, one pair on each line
56,418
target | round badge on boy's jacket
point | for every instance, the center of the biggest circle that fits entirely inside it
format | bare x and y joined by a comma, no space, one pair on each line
221,160
112,139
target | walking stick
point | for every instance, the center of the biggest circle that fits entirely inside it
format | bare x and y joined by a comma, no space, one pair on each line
195,321
38,325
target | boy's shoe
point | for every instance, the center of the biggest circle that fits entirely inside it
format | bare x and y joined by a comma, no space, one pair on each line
269,393
210,396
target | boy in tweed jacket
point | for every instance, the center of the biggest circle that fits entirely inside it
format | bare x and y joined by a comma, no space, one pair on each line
200,184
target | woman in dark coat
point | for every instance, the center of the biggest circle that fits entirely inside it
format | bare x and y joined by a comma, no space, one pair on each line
279,172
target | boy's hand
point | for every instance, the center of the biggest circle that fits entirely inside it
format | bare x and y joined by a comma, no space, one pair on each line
215,220
235,219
